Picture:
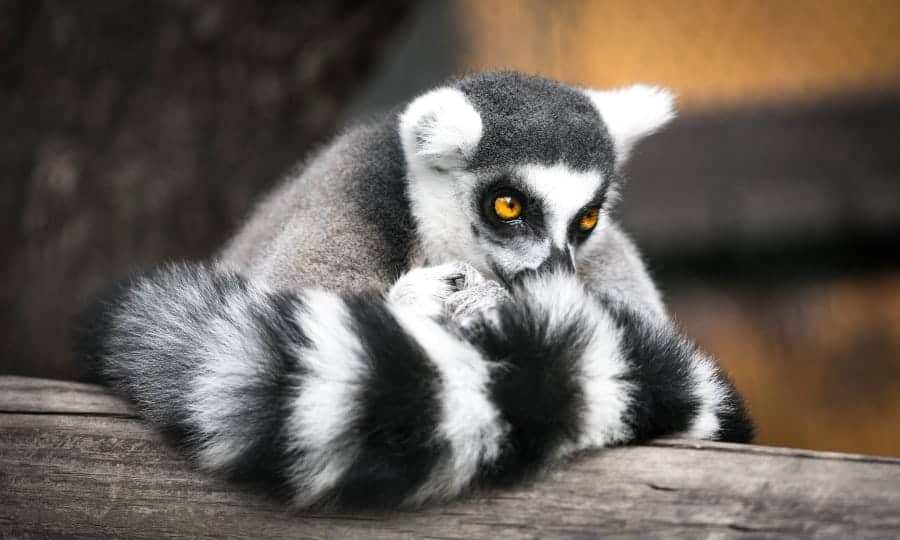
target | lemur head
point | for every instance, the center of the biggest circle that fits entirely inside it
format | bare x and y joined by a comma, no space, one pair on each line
510,172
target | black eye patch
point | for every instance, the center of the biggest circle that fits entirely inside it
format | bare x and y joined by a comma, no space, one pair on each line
577,233
507,207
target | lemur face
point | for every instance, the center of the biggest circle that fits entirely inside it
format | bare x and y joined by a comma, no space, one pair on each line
529,216
514,173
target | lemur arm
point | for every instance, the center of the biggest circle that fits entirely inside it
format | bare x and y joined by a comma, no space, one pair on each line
354,401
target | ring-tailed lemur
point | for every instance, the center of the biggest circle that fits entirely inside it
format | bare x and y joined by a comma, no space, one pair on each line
299,359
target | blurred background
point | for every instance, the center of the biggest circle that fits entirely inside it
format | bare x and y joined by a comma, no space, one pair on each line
135,132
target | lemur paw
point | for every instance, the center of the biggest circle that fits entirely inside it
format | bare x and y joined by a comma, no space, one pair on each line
426,290
475,304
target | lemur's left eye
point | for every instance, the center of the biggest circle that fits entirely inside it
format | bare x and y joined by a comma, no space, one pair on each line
507,206
589,219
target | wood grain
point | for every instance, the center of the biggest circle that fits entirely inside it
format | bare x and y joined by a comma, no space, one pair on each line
29,395
63,473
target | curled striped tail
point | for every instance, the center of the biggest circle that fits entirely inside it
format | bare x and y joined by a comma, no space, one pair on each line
365,401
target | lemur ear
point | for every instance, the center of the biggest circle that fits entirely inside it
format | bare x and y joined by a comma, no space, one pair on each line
440,129
633,113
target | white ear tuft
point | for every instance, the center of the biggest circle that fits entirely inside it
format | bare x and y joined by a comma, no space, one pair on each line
440,129
632,113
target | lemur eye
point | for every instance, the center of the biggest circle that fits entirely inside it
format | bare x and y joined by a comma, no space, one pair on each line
507,207
589,219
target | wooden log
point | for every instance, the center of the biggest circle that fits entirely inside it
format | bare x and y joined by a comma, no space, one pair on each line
75,462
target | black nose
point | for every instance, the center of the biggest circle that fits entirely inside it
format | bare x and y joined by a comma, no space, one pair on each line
559,260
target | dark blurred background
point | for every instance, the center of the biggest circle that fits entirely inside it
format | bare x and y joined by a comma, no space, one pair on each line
136,131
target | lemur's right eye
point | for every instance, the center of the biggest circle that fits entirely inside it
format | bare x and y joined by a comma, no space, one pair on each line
507,207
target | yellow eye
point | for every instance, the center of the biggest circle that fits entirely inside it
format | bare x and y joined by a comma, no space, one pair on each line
507,208
589,219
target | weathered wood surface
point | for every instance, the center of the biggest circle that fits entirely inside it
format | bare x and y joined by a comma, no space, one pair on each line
75,462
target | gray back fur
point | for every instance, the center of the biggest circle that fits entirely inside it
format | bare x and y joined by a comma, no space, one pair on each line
341,222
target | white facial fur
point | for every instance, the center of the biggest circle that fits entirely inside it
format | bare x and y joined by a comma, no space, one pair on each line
563,191
440,132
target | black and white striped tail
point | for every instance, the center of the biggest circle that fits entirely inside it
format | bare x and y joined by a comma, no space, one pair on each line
353,402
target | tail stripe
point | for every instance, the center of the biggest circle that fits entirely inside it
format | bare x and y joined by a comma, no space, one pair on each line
265,398
535,384
469,421
397,415
326,399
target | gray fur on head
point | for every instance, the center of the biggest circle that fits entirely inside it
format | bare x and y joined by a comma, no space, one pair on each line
505,118
536,121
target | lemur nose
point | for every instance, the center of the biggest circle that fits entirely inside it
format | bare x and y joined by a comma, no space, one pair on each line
559,259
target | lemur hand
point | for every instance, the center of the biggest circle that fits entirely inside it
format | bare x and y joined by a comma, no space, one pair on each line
454,290
425,290
479,302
